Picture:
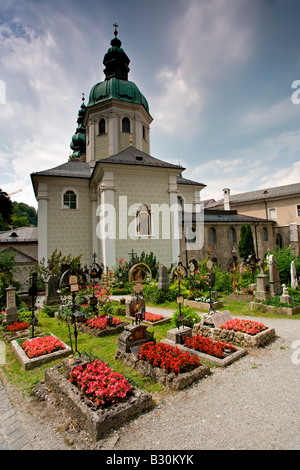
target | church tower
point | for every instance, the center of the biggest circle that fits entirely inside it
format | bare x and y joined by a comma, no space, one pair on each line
117,114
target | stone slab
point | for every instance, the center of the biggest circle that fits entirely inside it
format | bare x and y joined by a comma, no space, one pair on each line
28,363
179,335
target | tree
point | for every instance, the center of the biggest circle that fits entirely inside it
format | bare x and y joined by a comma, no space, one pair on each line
246,243
23,215
55,263
5,210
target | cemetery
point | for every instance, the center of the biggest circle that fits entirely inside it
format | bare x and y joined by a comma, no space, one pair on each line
103,356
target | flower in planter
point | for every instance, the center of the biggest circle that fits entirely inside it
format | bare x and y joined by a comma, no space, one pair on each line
17,326
153,317
249,327
209,346
100,323
167,357
100,383
41,345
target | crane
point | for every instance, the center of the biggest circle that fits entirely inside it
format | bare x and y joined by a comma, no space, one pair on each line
15,192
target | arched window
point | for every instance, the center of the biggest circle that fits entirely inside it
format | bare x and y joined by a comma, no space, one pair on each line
279,240
69,200
232,235
126,125
143,221
144,133
102,126
212,236
191,234
265,236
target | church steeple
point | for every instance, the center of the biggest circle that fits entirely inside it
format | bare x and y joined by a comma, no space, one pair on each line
78,143
115,60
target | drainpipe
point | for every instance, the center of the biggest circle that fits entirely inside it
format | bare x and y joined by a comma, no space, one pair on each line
256,244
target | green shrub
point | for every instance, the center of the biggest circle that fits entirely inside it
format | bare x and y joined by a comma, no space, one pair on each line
156,296
190,316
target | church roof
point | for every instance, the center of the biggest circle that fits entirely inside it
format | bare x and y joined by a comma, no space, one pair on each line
71,169
181,180
133,156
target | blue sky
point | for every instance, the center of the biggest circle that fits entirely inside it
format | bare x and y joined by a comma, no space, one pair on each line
217,74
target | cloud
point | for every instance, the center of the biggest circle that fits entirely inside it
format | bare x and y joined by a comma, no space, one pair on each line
205,45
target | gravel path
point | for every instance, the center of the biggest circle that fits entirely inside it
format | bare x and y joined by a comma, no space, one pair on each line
252,404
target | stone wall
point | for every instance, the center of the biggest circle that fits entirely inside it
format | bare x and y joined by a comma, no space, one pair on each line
230,336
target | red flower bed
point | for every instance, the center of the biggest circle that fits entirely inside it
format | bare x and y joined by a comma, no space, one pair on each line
153,317
100,323
209,346
100,383
39,346
170,358
17,326
244,326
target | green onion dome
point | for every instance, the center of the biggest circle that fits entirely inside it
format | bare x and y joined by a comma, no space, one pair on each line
78,143
116,84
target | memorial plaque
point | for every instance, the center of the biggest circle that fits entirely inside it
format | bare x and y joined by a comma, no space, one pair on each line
219,318
73,280
74,287
10,298
138,334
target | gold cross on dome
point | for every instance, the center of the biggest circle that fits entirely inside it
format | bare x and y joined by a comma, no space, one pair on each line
116,26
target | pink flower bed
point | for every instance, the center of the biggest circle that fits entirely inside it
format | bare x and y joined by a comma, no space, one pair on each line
100,323
153,317
249,327
101,384
39,346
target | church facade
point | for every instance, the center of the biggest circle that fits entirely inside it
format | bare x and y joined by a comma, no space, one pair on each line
112,196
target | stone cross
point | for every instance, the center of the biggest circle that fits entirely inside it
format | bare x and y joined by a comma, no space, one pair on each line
294,280
275,286
163,279
11,312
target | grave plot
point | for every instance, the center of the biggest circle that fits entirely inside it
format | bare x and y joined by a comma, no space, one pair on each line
97,398
36,351
245,333
210,351
163,363
103,326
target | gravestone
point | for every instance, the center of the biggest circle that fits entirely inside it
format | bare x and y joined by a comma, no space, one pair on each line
132,338
262,284
294,280
11,311
285,298
179,335
275,285
163,279
52,296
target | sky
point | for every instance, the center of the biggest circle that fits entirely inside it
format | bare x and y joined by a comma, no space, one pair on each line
221,78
